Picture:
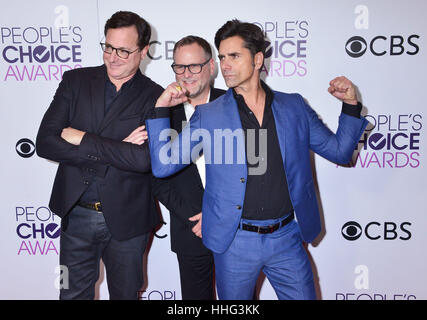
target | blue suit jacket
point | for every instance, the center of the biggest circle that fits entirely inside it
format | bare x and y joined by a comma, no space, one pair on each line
216,129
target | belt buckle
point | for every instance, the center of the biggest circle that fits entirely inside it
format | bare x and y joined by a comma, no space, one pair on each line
265,229
97,206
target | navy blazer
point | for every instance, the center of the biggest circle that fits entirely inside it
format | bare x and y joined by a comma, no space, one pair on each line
122,169
182,194
216,128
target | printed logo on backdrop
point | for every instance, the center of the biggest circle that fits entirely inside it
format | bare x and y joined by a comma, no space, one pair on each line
393,142
286,47
41,52
157,295
375,230
161,50
37,231
25,148
362,290
379,45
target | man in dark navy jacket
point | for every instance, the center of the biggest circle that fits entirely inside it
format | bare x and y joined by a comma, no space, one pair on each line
182,193
102,190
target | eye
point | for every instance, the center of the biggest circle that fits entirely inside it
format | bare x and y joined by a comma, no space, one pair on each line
123,52
356,46
25,148
351,230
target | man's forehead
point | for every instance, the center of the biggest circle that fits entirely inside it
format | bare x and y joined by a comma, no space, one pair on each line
127,35
189,51
231,45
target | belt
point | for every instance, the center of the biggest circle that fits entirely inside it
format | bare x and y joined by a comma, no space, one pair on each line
270,228
92,206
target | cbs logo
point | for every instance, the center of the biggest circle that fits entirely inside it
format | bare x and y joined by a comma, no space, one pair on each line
381,45
25,148
375,230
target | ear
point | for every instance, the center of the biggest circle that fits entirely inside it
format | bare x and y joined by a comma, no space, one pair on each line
258,60
144,51
211,66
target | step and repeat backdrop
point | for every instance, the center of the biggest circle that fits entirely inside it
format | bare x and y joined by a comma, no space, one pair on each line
374,215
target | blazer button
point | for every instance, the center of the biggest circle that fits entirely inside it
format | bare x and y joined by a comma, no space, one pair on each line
86,182
239,207
242,180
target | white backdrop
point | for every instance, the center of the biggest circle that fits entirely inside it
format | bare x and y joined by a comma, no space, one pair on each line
374,214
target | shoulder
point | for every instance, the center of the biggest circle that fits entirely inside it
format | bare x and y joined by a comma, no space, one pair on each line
86,72
215,93
287,97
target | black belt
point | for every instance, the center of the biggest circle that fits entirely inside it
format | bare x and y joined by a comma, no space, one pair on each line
270,228
92,206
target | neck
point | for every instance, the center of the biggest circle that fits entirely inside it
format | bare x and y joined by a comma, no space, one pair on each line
253,93
200,99
119,82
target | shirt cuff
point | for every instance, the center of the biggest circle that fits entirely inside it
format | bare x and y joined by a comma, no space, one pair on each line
161,112
352,110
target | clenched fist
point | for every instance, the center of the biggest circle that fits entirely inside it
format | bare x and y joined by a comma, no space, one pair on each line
343,89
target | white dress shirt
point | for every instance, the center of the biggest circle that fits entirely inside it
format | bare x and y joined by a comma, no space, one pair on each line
200,162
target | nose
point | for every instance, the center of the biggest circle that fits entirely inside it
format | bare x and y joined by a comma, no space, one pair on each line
225,65
113,56
187,73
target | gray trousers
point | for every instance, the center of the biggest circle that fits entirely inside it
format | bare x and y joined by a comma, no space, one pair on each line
85,239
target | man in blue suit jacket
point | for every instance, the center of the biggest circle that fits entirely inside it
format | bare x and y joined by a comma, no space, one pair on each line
254,190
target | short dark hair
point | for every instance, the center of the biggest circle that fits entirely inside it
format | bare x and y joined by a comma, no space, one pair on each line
127,19
194,39
251,34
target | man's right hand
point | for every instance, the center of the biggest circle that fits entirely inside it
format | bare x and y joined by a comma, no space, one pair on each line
173,95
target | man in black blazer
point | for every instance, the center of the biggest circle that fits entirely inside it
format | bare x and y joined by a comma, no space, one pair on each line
102,190
182,193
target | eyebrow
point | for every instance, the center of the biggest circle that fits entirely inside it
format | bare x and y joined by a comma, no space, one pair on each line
232,54
120,48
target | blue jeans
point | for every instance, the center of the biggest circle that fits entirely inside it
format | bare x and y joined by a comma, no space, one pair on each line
85,239
280,255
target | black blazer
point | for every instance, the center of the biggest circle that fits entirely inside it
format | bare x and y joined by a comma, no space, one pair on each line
182,195
122,169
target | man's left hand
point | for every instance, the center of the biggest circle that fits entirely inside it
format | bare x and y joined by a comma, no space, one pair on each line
72,135
343,89
197,229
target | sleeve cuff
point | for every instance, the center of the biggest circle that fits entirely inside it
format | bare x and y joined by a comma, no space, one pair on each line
161,112
352,110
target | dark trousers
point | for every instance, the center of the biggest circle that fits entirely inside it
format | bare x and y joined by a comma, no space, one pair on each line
197,277
85,239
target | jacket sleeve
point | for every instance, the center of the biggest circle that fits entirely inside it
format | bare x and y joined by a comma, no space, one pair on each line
94,152
338,147
169,151
165,191
49,143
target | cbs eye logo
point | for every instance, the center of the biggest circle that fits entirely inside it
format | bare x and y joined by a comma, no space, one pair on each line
351,230
25,148
356,47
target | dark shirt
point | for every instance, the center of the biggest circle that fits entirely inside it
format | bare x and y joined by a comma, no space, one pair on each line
267,195
110,95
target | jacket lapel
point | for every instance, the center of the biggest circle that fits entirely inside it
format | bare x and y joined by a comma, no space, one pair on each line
178,116
97,92
281,121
